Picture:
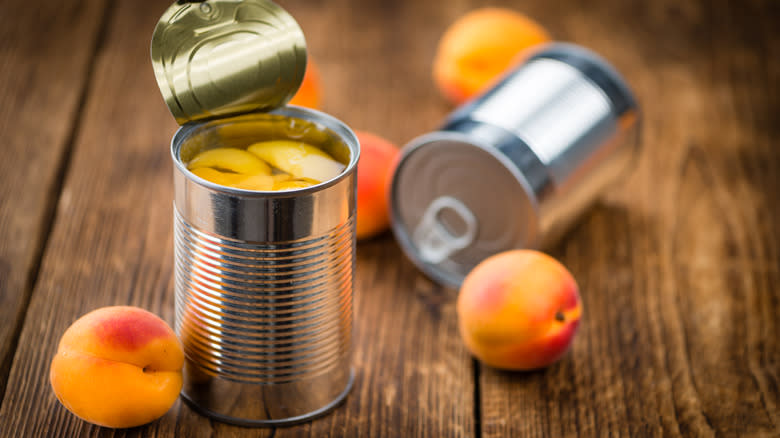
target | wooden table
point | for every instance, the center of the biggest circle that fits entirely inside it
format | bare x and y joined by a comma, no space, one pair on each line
679,264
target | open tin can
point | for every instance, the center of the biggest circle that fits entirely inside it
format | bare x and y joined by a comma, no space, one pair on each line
516,166
263,279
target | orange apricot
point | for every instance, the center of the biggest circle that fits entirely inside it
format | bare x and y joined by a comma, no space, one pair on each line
519,310
377,159
309,93
480,46
118,367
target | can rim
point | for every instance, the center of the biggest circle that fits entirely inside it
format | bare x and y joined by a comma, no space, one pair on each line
403,235
337,126
275,422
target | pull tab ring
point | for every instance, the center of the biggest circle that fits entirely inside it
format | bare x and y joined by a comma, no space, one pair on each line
434,241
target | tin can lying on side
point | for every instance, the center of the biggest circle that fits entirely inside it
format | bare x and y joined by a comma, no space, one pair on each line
517,165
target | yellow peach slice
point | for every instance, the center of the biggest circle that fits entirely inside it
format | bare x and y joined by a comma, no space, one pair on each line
293,184
238,180
256,182
217,177
299,159
234,160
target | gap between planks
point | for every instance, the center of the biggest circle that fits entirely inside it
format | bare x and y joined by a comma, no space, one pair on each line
54,193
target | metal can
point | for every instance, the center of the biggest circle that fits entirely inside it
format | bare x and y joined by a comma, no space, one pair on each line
263,280
516,166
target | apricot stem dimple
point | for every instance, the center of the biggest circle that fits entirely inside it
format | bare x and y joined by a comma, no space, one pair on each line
559,316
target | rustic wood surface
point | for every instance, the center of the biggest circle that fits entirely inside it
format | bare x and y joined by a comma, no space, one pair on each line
679,264
43,77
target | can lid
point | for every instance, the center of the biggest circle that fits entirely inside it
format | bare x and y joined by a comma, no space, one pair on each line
223,57
455,201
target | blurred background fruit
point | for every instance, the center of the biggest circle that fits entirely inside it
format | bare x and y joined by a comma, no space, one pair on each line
478,47
310,92
231,160
377,160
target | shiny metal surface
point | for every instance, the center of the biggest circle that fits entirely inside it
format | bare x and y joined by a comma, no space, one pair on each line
524,160
452,196
561,147
224,57
264,280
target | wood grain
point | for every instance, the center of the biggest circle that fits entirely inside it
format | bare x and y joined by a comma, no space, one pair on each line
414,377
111,242
44,67
111,245
679,266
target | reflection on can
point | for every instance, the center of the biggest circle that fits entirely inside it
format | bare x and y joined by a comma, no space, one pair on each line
517,165
264,280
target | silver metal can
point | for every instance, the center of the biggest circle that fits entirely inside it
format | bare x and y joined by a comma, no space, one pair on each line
516,166
263,279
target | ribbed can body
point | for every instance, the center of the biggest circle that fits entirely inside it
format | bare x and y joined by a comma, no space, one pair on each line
264,285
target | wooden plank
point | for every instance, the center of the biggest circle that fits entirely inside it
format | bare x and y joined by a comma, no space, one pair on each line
414,377
111,243
678,268
45,58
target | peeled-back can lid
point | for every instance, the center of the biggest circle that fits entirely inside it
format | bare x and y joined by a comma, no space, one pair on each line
222,57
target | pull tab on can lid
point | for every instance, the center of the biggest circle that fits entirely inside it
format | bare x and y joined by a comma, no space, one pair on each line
434,239
456,200
223,57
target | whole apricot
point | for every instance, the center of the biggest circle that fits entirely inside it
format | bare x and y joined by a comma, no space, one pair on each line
519,310
377,159
309,93
478,47
118,367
